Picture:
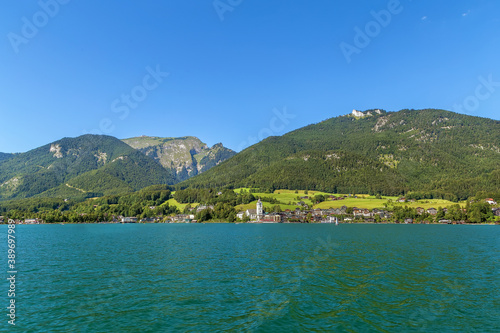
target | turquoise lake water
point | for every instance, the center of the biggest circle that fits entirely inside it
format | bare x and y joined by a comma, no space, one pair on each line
255,278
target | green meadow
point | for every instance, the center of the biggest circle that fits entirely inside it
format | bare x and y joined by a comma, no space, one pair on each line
288,200
180,206
362,201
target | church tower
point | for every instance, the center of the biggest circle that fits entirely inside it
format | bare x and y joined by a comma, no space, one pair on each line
259,210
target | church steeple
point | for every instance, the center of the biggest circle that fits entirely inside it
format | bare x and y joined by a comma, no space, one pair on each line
259,209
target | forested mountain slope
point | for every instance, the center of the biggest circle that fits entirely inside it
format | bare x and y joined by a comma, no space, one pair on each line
4,156
414,150
84,166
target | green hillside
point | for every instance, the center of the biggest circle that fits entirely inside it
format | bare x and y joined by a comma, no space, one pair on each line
5,156
435,151
90,163
341,171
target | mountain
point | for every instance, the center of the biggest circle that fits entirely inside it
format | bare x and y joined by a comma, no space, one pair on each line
89,165
5,156
431,151
185,157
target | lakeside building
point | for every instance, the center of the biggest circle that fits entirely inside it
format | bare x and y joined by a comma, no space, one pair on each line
251,213
203,207
260,211
432,211
491,201
272,218
32,221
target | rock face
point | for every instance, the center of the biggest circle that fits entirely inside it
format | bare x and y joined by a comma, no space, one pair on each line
86,166
360,114
185,156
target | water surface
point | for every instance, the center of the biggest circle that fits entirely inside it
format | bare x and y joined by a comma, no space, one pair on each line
258,278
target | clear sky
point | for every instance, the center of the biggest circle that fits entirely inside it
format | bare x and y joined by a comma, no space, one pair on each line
238,70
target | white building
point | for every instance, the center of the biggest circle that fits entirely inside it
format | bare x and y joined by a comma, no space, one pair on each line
491,201
260,211
251,213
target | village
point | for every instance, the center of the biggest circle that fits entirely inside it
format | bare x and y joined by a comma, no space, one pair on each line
343,214
302,214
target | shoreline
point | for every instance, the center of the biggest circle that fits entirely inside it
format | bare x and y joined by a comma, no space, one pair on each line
224,222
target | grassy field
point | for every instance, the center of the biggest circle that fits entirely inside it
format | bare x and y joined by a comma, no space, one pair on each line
362,201
180,206
288,199
430,203
352,202
371,203
287,196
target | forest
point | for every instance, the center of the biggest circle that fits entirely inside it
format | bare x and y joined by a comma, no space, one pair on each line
436,152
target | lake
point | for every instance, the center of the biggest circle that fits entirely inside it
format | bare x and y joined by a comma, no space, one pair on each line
255,278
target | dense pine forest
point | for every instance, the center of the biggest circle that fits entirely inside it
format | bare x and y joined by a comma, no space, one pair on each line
434,152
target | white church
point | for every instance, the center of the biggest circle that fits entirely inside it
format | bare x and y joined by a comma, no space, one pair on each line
253,214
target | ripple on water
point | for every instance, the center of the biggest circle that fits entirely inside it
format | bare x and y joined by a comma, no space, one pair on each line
264,278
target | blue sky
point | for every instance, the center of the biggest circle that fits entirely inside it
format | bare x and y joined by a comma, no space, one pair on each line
238,70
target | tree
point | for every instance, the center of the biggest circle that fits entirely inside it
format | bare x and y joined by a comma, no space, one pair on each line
480,212
455,213
319,198
309,217
440,214
204,215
